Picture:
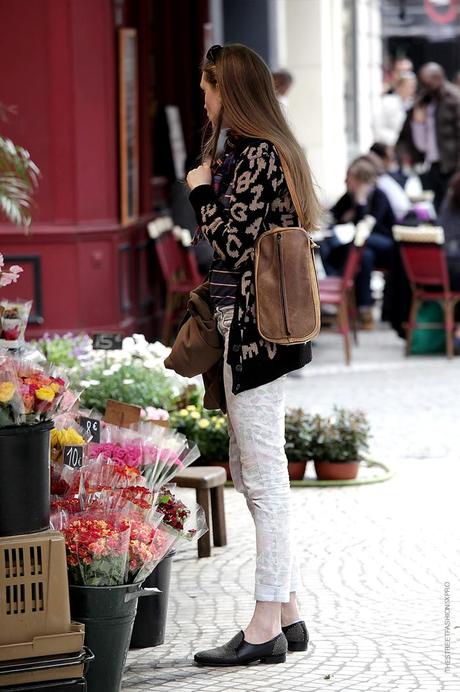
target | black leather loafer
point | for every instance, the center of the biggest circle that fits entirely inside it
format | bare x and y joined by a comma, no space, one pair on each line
238,652
297,636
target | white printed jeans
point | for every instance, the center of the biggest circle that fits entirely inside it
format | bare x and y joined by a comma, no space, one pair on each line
259,470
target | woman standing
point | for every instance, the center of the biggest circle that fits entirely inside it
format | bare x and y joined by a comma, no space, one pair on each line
236,198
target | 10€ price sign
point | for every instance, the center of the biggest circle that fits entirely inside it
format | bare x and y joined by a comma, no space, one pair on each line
73,456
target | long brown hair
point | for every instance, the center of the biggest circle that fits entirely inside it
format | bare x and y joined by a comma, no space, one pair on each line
252,110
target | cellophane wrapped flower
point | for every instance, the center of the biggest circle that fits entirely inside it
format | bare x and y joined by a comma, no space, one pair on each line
66,433
188,521
65,480
97,549
28,394
121,445
149,542
128,454
165,453
13,321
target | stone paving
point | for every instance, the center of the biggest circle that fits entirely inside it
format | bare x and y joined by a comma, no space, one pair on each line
378,561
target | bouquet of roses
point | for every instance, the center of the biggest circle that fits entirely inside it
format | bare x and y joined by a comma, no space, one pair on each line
28,394
13,322
113,548
121,445
165,453
188,521
66,432
97,548
150,541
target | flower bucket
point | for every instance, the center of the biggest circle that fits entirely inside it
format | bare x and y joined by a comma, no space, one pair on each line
150,623
25,478
108,614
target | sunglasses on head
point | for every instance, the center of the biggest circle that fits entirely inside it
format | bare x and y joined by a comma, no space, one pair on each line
213,52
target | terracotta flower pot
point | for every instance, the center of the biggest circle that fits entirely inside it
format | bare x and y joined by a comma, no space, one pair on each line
296,470
336,470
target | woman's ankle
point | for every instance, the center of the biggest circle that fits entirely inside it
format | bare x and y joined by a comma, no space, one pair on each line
265,623
290,611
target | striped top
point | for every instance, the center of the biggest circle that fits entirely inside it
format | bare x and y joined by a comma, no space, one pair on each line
224,283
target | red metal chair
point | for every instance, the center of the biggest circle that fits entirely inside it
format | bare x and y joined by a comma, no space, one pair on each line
426,269
180,273
339,291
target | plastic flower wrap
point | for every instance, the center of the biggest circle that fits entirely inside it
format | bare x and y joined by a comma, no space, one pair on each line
97,549
103,474
66,433
28,394
11,400
65,480
149,542
165,453
120,445
13,322
188,521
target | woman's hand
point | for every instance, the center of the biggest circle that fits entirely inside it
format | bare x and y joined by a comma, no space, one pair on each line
199,176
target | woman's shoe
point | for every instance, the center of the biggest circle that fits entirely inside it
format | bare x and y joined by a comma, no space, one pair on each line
297,636
238,652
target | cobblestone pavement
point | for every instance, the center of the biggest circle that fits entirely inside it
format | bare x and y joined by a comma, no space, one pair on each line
377,561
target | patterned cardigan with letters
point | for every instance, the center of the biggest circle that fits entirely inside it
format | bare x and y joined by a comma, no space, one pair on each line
256,200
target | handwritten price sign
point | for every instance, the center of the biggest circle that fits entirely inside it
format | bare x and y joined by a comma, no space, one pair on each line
73,456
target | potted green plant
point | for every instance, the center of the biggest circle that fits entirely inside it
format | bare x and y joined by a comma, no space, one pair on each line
298,442
208,429
337,443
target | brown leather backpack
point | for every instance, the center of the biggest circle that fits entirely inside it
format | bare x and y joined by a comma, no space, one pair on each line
287,293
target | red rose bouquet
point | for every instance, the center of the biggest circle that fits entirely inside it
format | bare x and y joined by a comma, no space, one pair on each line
188,521
97,549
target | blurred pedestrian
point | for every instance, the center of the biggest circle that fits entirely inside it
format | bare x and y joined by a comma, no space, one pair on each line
236,199
398,67
431,133
393,109
361,199
387,182
283,81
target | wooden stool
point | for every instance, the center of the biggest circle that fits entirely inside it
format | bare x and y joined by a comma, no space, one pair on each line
209,484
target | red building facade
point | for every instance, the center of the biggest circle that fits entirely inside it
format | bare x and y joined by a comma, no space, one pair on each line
83,268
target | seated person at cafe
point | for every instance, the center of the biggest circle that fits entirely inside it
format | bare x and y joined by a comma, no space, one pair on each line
362,198
386,162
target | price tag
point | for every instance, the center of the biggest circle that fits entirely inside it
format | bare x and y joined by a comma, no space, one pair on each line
108,342
73,456
92,426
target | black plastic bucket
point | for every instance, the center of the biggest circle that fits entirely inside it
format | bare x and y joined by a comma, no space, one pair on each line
150,623
108,614
25,478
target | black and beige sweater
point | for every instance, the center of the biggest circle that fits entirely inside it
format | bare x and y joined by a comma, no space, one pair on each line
258,200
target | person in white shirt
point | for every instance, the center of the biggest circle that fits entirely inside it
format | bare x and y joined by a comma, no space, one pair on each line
393,109
384,157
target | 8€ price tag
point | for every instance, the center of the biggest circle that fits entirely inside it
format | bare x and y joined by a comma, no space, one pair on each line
73,456
92,426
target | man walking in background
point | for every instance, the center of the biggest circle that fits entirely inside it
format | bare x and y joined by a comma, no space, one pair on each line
431,133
